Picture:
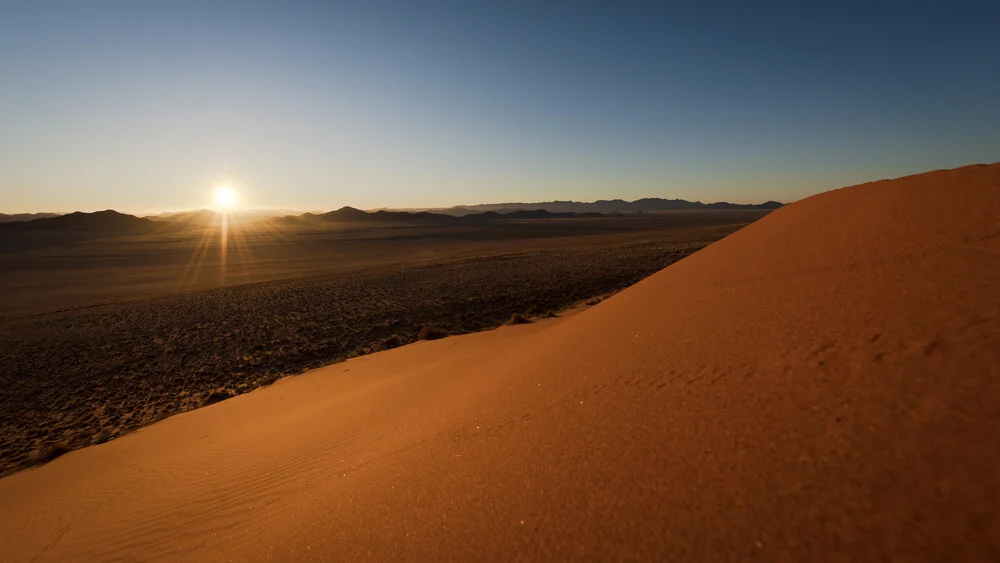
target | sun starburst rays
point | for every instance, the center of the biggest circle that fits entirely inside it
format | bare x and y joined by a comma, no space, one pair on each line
232,243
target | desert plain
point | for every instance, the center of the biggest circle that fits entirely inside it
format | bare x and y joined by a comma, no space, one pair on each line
106,332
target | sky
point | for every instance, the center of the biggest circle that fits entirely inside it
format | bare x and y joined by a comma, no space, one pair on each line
146,106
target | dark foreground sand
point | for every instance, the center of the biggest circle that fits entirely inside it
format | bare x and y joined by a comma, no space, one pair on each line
822,385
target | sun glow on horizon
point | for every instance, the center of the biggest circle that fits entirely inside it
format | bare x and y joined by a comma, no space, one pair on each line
228,235
224,197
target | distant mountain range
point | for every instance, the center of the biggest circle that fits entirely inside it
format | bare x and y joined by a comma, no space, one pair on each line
113,221
644,205
5,218
351,214
108,220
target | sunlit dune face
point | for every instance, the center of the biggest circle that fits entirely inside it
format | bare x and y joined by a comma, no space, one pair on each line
224,198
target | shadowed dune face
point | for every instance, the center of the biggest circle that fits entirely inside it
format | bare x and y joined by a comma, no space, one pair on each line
821,385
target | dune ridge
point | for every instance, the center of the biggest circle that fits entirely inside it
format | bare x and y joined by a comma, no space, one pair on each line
821,385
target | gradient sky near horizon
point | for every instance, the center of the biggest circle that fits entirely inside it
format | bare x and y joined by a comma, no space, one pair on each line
145,106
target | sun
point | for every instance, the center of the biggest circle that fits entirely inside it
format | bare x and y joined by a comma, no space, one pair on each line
224,197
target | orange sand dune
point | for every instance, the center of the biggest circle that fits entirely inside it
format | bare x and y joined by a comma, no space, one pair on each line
822,385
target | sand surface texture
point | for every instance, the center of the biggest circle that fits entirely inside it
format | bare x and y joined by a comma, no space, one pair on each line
822,385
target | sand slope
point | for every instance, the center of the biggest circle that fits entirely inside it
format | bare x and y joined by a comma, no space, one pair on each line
822,385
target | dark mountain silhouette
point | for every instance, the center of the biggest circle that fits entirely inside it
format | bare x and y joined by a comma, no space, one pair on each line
107,221
113,221
539,214
5,218
530,214
425,216
604,206
344,214
350,214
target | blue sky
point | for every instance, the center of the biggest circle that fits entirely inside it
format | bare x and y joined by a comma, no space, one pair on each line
145,106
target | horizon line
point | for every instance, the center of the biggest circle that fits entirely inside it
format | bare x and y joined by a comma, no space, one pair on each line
370,209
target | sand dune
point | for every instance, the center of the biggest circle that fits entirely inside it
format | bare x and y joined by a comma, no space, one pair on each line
821,385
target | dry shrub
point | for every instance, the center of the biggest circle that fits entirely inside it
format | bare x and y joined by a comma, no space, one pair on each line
432,333
217,395
518,319
394,341
51,452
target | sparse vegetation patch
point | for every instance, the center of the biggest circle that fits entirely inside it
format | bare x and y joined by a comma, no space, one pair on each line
432,333
82,376
518,319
